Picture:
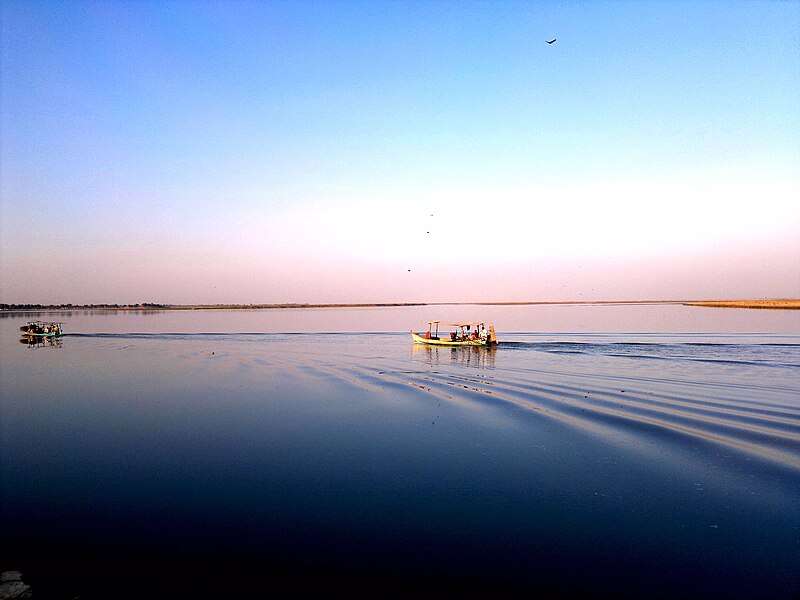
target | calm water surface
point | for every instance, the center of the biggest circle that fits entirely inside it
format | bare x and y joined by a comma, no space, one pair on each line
621,451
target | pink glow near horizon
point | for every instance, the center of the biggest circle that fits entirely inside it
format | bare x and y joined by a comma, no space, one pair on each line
756,270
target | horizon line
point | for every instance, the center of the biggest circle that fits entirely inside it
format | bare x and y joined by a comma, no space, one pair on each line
734,303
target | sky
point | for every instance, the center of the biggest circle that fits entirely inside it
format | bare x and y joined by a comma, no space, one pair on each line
194,152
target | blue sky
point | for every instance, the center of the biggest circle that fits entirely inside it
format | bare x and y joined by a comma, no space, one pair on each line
394,151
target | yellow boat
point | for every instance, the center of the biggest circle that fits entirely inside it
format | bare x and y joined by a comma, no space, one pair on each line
465,334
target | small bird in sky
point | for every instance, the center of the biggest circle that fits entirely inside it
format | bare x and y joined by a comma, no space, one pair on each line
550,41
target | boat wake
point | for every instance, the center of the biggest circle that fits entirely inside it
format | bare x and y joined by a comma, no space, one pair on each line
768,354
736,397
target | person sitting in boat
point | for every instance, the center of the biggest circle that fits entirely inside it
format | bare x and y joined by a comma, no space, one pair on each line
453,335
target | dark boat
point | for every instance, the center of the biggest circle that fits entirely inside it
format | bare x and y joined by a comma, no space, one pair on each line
41,329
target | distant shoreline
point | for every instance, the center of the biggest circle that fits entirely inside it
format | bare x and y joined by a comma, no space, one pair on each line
781,304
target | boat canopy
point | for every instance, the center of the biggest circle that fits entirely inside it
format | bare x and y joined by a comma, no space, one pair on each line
433,326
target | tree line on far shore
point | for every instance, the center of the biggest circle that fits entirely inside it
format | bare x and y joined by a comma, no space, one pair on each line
142,305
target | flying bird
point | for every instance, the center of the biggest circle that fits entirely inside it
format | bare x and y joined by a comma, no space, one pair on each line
550,41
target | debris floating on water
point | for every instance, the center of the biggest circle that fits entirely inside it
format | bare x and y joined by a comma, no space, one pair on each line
12,586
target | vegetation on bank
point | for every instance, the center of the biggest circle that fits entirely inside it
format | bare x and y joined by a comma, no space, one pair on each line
154,306
141,306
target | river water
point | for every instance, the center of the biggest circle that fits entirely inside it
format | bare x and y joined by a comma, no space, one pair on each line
625,451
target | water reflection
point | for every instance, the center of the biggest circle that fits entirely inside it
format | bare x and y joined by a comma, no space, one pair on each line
37,341
481,357
379,459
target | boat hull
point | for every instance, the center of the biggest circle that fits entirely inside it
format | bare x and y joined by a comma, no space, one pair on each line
421,339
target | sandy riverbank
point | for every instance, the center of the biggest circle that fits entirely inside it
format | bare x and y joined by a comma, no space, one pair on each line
779,303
